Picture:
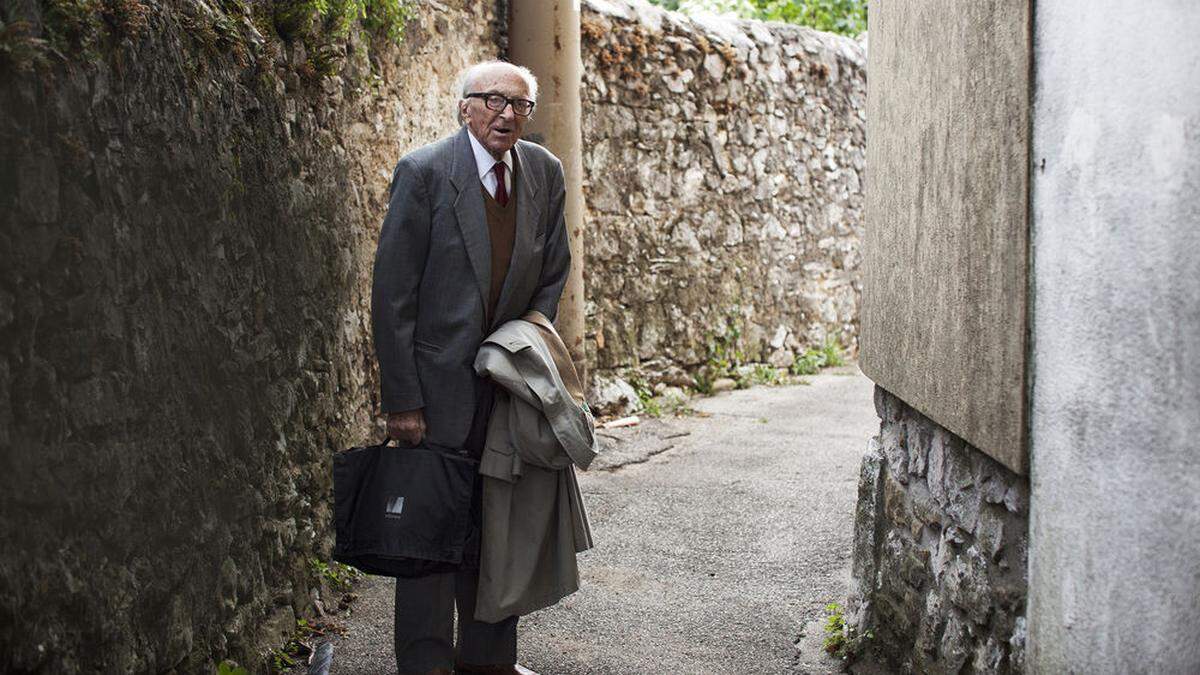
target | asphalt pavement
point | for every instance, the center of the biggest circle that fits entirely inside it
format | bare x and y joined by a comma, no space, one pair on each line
720,538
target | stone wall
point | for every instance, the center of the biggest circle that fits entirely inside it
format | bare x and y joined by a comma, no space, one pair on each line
940,550
188,213
723,171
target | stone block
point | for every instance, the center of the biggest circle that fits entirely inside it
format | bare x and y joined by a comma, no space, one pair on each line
988,657
989,532
967,585
612,395
893,443
918,436
954,647
867,513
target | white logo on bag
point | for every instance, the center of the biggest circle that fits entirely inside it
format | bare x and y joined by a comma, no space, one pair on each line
395,506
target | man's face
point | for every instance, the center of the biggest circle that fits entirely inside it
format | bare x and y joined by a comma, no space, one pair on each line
496,131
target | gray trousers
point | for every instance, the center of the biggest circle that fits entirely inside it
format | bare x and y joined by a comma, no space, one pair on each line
425,623
425,605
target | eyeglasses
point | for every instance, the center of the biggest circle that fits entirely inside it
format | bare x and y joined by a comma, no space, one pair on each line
498,102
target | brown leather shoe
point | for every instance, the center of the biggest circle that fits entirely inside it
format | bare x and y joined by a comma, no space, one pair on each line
502,669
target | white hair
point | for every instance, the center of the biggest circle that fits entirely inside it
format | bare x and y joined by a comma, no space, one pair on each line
466,79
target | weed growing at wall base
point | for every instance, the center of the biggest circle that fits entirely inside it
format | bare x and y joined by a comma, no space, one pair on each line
828,355
842,641
341,577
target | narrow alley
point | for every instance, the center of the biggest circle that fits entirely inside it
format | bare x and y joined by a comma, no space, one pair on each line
720,538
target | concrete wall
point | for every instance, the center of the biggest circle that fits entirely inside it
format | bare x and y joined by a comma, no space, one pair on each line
943,317
723,170
188,215
1115,416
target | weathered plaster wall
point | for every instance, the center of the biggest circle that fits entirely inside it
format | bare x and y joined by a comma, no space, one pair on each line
943,318
1115,556
724,167
940,550
187,225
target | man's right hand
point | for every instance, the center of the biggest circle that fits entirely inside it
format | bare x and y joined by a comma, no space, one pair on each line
408,427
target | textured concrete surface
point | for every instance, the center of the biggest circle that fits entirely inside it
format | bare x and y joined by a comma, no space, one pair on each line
1115,411
944,279
720,538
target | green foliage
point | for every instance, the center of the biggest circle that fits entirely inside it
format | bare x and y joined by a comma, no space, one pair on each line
341,577
298,647
388,17
19,49
724,353
848,17
321,25
827,355
71,24
842,640
832,350
77,25
230,668
334,18
650,405
758,373
282,660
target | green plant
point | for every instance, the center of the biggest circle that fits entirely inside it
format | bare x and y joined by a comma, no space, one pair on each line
832,349
282,660
848,17
828,355
71,24
723,353
341,577
808,363
842,640
300,645
335,18
645,393
230,668
19,49
762,373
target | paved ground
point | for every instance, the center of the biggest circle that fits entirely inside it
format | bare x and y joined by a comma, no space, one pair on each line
720,539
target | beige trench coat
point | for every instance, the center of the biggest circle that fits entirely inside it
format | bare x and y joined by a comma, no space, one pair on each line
534,521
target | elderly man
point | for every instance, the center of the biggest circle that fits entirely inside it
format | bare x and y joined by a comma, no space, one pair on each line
474,236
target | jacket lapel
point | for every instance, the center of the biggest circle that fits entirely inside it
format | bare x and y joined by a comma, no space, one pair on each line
526,188
468,208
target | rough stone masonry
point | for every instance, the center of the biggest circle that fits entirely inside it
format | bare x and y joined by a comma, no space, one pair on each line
724,167
188,215
940,550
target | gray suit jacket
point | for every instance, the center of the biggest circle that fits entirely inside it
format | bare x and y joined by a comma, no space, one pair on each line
433,269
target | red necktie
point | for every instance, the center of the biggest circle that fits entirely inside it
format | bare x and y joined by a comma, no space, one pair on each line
501,191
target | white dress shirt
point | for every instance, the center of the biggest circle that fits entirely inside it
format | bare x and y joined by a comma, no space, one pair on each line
485,163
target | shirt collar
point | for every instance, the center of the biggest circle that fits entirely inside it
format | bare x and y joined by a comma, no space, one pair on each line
484,160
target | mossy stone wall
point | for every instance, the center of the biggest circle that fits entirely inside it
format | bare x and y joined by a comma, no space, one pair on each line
188,214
